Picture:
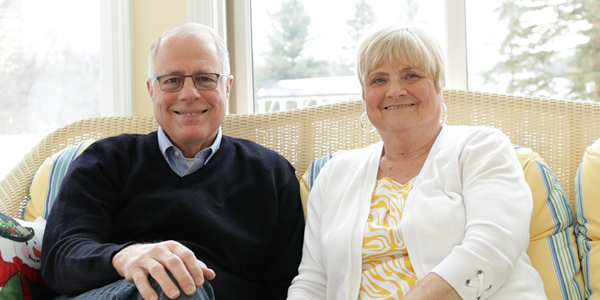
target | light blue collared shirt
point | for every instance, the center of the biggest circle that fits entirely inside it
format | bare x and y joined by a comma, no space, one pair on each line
178,163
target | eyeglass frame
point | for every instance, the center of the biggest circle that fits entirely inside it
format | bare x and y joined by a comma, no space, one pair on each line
192,77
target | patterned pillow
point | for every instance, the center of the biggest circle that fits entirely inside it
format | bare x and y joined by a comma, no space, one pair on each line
552,246
20,253
587,210
47,180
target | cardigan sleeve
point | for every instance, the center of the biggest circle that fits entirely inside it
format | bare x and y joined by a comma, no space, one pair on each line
311,282
497,208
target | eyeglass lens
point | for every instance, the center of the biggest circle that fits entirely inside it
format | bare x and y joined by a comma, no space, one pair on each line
173,83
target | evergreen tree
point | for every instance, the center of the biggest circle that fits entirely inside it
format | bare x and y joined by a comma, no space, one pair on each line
533,58
284,59
364,19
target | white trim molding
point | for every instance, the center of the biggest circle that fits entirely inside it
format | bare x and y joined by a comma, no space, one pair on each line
240,51
116,70
210,13
456,40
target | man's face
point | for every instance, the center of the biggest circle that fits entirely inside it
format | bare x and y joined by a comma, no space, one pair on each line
189,117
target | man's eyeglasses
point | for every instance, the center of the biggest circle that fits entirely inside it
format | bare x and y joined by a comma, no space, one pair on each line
202,81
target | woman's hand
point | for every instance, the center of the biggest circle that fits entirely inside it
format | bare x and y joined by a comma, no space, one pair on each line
432,287
137,261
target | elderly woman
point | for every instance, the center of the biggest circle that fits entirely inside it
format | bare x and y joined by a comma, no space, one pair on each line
431,212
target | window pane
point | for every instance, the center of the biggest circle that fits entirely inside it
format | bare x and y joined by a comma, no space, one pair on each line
49,70
539,48
304,50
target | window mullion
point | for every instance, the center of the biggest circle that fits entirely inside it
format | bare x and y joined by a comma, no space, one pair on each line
117,89
239,25
457,45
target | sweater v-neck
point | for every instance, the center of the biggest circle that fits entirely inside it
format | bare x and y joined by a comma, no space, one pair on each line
163,168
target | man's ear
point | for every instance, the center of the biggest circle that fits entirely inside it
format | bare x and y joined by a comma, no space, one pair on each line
149,86
229,84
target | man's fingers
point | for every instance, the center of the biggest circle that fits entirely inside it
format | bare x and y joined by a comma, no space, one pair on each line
143,285
160,275
209,273
191,273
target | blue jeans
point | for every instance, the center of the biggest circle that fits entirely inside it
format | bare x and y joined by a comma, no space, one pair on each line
126,290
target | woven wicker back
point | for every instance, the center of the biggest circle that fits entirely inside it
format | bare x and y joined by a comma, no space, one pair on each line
558,130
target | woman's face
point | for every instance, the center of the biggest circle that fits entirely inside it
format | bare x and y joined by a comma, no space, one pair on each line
400,98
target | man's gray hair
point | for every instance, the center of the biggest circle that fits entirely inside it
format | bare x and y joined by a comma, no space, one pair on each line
190,29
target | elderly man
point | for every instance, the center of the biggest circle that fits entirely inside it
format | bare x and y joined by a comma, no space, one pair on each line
181,212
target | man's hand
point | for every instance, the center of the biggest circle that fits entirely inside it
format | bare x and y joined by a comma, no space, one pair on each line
137,261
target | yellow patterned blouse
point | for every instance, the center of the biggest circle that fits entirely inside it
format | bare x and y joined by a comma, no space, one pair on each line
386,271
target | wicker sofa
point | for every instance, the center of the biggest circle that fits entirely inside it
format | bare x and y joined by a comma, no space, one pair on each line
558,130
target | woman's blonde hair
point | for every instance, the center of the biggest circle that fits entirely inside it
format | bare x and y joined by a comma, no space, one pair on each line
406,45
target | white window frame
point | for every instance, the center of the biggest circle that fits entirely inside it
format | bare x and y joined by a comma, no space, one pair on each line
116,68
456,60
456,73
214,13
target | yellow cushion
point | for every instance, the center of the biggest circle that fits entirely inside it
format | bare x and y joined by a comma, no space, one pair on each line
587,210
552,247
47,180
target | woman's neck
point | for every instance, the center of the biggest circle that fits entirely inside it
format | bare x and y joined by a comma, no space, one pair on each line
403,156
410,144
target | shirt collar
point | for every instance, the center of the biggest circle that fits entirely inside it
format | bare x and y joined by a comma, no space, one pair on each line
164,143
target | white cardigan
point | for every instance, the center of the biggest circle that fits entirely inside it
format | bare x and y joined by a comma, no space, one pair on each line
468,213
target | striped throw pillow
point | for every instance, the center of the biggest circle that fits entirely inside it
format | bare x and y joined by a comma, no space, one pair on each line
46,181
587,210
552,244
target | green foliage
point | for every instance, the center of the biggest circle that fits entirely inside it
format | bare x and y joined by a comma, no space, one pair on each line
284,59
534,50
364,18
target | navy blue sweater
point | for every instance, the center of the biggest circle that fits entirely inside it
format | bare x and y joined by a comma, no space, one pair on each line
240,214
